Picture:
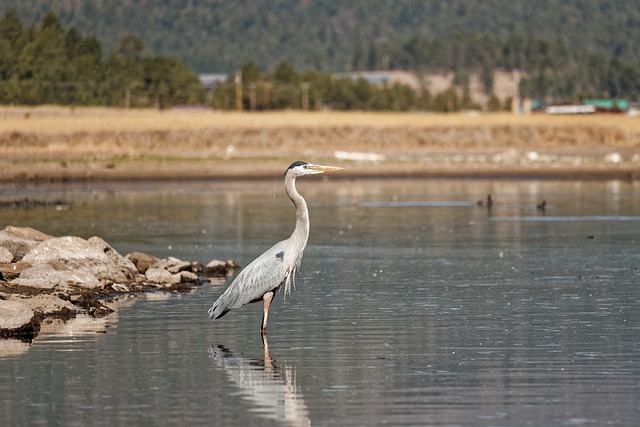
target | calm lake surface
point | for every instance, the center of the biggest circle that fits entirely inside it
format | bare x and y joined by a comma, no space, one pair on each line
414,306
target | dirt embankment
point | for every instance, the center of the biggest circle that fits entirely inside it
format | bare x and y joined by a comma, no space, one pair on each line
113,144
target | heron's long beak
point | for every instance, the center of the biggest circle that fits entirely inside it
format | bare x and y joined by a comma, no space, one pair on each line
321,168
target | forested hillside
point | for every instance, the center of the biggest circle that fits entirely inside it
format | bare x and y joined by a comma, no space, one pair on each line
336,35
564,49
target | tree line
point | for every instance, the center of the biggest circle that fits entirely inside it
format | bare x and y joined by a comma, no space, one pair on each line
48,64
285,87
52,64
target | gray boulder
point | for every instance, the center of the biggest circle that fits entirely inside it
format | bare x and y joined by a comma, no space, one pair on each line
173,265
17,320
120,263
93,256
50,305
43,277
5,255
161,276
20,240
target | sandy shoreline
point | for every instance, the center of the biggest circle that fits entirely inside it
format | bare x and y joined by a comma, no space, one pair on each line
62,144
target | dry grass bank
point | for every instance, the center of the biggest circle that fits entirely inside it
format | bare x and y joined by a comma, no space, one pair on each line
63,143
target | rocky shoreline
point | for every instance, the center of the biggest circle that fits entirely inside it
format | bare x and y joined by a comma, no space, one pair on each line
43,276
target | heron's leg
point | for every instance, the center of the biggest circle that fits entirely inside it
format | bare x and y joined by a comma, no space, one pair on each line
266,301
268,361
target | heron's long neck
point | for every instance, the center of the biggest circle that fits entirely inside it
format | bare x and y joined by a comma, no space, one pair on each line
302,213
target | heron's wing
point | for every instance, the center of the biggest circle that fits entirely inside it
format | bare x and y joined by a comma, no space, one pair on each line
262,275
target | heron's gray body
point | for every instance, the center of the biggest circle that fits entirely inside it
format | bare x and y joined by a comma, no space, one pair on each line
277,266
271,270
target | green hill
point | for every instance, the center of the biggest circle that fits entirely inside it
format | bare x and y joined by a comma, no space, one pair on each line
330,35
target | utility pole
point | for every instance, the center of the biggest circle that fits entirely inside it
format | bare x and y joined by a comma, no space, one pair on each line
252,97
239,91
515,103
266,98
305,95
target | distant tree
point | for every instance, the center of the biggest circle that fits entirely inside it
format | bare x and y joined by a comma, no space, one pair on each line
51,64
493,104
41,67
250,73
447,101
130,46
286,73
11,36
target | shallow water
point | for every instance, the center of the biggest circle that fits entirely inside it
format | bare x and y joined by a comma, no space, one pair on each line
414,306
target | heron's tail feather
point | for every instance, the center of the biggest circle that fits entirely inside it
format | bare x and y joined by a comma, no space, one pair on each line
217,310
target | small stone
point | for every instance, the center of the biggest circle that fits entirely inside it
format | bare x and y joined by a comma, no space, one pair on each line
173,265
159,275
119,288
142,261
188,277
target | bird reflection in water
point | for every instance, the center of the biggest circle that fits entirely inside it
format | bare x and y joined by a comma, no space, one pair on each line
272,389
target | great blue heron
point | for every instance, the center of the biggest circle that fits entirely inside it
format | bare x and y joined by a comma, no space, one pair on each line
277,266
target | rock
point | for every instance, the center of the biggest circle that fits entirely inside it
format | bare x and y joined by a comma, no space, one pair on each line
188,277
216,263
142,261
95,257
46,277
197,267
5,255
93,306
12,271
121,263
20,240
50,305
162,276
18,320
82,279
120,288
173,265
216,268
41,276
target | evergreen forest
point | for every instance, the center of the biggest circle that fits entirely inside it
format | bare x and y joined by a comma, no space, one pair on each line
146,53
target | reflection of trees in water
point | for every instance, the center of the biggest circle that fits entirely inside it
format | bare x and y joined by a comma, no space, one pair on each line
272,389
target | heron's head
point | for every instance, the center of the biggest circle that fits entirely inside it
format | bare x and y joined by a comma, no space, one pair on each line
303,168
300,168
